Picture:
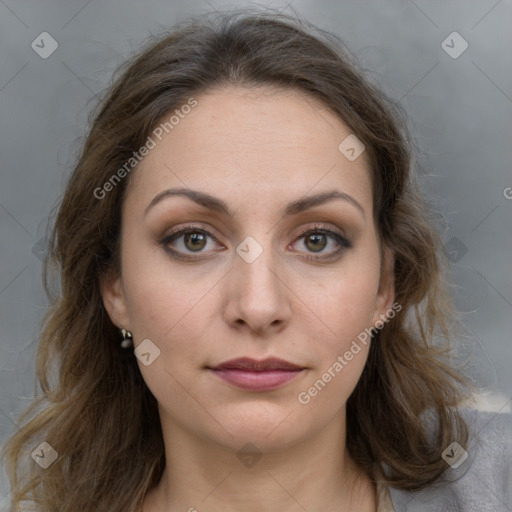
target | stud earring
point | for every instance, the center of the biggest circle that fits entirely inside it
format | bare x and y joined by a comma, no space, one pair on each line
127,339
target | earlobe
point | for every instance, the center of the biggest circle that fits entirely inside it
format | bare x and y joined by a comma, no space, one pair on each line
386,292
112,293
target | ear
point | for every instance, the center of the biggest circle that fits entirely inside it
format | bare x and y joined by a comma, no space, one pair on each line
112,293
386,292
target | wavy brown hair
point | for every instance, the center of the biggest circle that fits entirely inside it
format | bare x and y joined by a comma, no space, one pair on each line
95,409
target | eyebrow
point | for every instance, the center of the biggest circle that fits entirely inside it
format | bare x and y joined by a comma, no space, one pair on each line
218,205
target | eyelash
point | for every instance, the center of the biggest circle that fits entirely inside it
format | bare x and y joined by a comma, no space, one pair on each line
343,243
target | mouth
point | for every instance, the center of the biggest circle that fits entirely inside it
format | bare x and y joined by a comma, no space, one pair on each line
251,374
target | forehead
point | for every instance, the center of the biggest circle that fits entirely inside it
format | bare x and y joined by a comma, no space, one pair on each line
256,143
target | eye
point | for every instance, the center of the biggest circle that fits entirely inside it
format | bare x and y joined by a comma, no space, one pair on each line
183,242
317,239
188,239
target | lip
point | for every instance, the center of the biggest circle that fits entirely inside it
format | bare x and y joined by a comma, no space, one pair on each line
251,374
249,364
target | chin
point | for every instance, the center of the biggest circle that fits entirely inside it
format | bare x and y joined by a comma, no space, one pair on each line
268,426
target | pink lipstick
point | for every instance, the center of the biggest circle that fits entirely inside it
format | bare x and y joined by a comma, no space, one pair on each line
265,375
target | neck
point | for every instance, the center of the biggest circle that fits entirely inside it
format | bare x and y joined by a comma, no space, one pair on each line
315,474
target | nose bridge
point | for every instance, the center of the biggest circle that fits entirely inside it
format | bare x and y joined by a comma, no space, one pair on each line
257,264
258,293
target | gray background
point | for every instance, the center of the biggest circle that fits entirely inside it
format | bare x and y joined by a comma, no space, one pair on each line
460,110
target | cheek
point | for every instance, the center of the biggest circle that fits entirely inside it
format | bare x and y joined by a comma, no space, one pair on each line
343,305
344,308
341,343
173,310
343,351
159,299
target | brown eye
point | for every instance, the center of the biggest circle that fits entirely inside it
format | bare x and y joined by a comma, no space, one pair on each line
195,241
185,241
316,241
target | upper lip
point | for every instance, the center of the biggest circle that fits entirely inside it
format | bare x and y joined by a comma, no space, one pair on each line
248,364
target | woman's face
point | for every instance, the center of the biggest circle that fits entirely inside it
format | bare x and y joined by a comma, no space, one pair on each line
249,277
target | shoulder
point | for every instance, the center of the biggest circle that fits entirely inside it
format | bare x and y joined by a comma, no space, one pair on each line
479,476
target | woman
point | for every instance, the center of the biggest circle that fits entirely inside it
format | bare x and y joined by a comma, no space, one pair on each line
250,287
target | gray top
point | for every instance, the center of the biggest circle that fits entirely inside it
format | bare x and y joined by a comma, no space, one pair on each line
481,483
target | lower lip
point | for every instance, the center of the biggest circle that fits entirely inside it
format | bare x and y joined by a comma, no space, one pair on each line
257,381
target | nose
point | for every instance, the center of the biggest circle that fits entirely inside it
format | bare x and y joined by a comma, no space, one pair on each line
258,294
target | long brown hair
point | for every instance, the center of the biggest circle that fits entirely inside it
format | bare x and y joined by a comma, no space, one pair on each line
95,409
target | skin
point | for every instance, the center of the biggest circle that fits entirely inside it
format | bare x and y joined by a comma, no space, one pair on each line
256,150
